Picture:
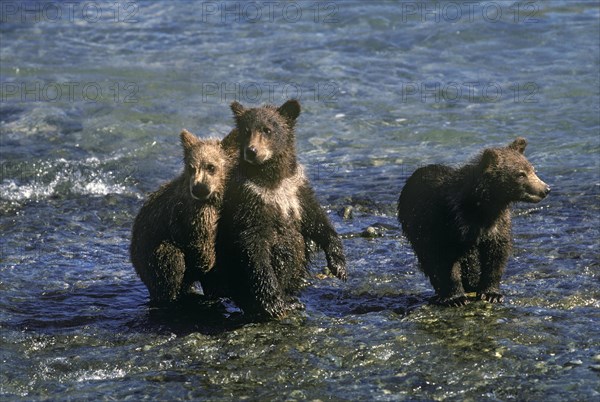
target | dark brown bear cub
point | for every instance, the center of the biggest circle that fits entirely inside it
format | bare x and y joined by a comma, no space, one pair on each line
269,213
458,220
173,239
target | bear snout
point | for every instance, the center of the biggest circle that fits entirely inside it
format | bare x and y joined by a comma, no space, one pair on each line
250,154
542,188
200,191
538,191
546,190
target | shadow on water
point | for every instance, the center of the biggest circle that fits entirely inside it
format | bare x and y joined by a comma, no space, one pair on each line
214,317
194,314
123,307
335,303
115,308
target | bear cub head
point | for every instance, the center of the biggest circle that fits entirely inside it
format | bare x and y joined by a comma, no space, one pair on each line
512,175
266,133
206,166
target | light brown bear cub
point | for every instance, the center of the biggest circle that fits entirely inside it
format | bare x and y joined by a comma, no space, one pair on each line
173,239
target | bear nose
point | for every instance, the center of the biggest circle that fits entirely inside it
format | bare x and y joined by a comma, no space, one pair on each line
200,191
547,190
250,153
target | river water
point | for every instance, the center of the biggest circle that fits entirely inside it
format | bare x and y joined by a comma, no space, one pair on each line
94,95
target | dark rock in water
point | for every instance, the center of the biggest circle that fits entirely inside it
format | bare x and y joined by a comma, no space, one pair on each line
381,226
370,232
376,230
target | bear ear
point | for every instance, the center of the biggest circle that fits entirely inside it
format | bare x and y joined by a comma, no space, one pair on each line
290,110
231,141
489,158
237,108
188,139
518,145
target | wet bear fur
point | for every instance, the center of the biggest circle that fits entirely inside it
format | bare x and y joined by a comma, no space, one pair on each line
269,214
458,221
173,237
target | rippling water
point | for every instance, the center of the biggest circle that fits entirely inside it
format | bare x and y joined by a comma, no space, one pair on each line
93,98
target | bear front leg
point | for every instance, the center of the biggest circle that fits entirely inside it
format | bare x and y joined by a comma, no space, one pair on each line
448,286
166,270
200,261
265,298
493,257
317,227
201,240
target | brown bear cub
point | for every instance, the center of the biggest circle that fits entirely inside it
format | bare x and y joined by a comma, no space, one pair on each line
173,239
458,220
269,215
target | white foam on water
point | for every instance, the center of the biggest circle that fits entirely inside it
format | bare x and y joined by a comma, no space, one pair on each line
101,374
45,179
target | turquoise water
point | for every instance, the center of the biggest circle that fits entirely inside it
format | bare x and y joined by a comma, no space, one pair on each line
93,96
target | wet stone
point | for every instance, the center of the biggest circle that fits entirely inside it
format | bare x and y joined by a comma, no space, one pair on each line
347,212
369,232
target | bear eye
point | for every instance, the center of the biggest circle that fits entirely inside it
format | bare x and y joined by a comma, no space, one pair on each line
522,174
210,168
247,130
266,130
192,168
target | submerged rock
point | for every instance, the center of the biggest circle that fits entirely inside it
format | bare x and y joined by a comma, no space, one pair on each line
347,212
370,232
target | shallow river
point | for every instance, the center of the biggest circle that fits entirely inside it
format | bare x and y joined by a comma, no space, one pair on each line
94,95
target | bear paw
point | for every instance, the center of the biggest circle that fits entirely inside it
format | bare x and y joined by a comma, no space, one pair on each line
454,301
337,266
492,297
